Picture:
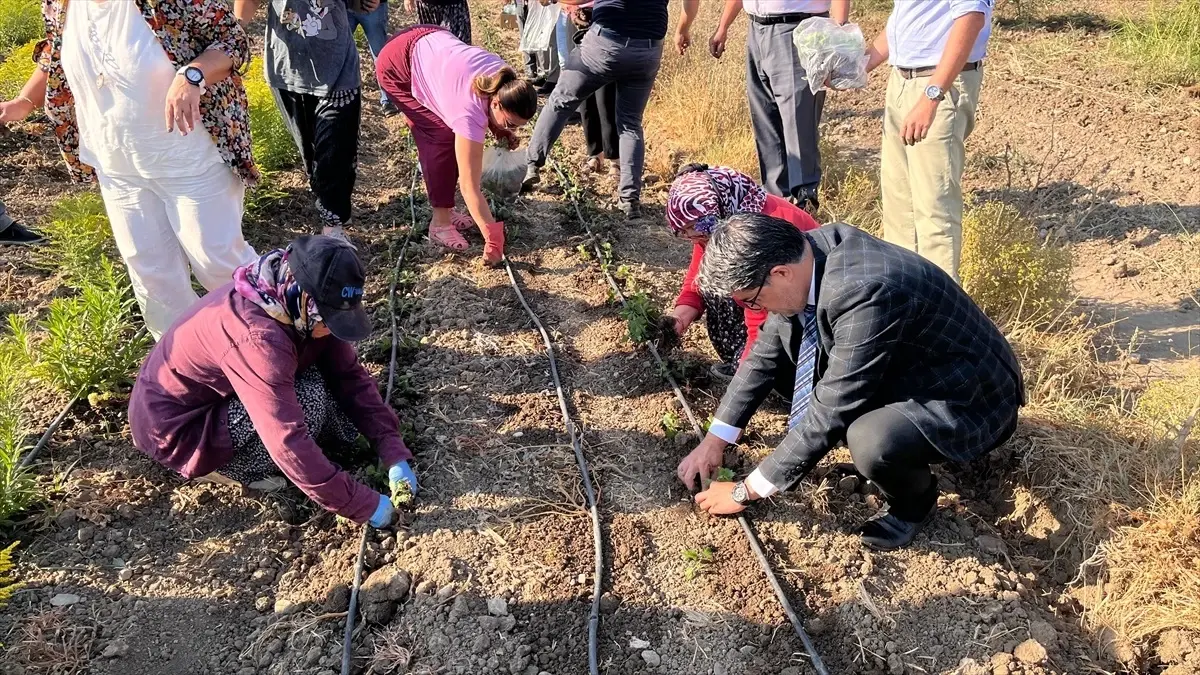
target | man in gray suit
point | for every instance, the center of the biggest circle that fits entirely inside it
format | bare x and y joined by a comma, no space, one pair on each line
875,347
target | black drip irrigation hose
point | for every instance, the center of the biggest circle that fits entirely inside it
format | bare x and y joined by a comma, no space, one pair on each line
352,609
747,528
597,540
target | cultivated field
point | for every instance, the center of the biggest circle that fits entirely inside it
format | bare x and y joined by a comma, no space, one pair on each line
1073,549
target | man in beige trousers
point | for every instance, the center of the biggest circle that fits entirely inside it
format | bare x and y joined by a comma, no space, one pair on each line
936,49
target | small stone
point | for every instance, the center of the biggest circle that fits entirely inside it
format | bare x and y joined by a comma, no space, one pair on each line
1030,652
262,575
895,664
445,592
285,607
111,551
426,587
64,600
651,658
1110,260
1122,271
848,484
85,534
481,643
489,623
67,518
126,511
638,643
497,606
816,626
747,650
312,657
262,604
791,670
722,669
337,599
115,649
989,544
125,574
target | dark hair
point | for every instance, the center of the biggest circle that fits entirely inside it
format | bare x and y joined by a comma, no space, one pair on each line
744,248
516,94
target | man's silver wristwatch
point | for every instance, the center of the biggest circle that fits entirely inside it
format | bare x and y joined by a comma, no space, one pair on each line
934,93
740,494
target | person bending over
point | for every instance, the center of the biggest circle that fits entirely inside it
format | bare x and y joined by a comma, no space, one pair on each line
248,383
699,197
876,347
451,93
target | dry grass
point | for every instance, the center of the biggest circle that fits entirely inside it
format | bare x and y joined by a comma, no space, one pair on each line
51,643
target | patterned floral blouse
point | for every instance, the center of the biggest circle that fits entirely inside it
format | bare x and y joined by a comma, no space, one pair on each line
186,29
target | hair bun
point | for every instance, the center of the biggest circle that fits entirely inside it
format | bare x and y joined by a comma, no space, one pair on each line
691,167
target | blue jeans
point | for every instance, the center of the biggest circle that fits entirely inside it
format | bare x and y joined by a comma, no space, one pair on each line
375,27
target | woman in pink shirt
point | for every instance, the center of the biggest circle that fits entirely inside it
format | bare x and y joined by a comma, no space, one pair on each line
699,197
451,93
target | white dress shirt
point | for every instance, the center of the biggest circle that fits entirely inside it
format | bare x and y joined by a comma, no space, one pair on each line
917,30
777,7
730,434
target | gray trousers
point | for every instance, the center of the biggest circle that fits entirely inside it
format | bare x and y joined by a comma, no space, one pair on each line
5,219
601,58
783,111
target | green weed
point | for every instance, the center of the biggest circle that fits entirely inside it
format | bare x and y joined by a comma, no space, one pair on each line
91,342
16,69
697,561
671,425
272,143
78,236
20,22
585,254
8,584
641,316
16,487
1163,44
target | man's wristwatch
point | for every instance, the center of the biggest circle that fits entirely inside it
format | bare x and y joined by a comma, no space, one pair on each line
740,494
934,93
193,75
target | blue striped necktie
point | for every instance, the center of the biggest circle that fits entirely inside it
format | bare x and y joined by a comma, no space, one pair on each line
806,363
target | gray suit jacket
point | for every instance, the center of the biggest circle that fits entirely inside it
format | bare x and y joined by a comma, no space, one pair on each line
893,330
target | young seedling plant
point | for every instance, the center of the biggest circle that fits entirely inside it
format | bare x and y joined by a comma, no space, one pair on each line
670,424
698,561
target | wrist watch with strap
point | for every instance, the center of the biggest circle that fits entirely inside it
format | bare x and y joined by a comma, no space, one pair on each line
934,93
740,495
193,75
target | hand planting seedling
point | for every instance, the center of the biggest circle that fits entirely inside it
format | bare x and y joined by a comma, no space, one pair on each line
697,561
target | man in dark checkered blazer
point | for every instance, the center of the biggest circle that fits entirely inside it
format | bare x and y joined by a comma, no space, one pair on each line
875,347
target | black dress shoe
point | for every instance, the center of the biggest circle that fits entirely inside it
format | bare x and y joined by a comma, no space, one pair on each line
885,532
806,198
19,235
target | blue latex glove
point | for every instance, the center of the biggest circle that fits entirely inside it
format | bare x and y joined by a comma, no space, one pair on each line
401,471
383,512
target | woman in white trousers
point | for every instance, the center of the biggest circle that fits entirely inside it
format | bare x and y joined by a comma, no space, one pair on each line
146,100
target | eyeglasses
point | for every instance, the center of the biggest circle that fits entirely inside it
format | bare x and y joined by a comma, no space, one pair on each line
752,303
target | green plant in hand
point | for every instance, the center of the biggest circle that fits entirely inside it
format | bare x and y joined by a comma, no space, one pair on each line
697,561
402,494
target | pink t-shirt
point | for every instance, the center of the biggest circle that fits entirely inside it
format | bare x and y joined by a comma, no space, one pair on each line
443,70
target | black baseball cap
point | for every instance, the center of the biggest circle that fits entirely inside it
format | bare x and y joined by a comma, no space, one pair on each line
328,269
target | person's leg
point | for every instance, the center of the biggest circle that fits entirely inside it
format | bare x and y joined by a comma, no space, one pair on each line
457,17
206,214
894,187
606,106
298,112
158,269
936,168
375,28
637,71
726,324
251,464
589,114
764,114
6,221
588,68
798,109
335,158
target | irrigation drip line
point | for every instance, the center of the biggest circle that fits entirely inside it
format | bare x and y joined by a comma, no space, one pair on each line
747,529
352,610
28,457
597,586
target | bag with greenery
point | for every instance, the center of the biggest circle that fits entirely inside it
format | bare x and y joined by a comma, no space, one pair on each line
831,53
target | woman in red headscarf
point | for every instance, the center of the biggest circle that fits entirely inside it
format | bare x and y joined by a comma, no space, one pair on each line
699,198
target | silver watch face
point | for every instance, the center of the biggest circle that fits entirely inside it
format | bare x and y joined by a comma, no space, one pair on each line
934,92
739,493
194,75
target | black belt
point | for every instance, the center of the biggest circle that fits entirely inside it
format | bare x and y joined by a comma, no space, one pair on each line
782,18
910,73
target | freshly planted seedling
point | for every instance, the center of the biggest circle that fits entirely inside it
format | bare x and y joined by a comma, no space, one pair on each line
697,561
585,254
641,315
402,494
670,424
724,475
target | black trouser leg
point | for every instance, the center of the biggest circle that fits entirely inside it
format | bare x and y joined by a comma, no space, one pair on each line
892,453
606,111
335,156
299,114
591,125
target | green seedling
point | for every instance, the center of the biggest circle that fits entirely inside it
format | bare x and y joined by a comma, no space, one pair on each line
641,315
721,475
697,561
584,254
670,424
402,494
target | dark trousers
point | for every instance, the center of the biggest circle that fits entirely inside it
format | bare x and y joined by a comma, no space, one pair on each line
599,113
783,111
891,452
326,132
455,17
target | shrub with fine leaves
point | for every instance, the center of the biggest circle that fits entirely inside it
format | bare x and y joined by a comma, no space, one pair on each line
16,488
78,236
15,70
20,22
271,141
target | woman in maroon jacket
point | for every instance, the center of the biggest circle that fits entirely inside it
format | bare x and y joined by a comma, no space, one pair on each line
248,380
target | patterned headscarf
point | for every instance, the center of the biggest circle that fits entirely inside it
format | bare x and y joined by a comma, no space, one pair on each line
269,283
701,195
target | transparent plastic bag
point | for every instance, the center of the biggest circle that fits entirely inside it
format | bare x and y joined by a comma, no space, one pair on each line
503,171
831,53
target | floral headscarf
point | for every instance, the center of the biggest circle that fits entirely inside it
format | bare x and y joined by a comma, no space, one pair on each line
701,195
269,283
